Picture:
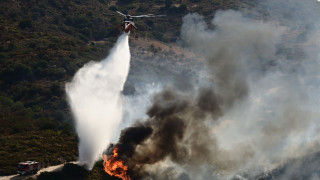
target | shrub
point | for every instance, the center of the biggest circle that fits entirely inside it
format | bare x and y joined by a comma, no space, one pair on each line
81,22
58,73
159,1
59,115
124,11
113,8
52,176
142,9
74,171
113,32
18,128
82,37
16,73
48,125
125,1
6,101
178,10
69,42
158,35
56,89
35,15
168,3
86,32
69,20
32,44
183,8
12,46
149,22
25,23
130,6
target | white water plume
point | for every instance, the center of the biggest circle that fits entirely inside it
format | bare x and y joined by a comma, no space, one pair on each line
96,101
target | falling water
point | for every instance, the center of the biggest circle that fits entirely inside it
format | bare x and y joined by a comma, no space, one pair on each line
96,101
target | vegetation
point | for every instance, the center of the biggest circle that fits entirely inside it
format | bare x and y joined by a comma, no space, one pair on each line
75,172
48,147
44,42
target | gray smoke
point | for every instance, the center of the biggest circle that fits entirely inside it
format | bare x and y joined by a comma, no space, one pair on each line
236,47
266,93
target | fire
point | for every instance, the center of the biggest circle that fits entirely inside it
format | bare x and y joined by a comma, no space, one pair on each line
114,165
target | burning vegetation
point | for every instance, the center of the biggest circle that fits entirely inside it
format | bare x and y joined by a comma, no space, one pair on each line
114,165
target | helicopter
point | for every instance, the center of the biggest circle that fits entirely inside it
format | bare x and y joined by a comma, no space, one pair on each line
128,25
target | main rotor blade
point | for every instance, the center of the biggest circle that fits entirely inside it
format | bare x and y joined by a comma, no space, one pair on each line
121,13
148,15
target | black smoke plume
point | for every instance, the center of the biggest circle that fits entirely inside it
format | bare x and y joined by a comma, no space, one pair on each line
176,130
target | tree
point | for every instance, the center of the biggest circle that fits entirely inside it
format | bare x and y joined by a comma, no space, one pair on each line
168,3
26,23
125,1
113,8
182,8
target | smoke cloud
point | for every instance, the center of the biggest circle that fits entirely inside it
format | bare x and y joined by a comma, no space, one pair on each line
255,108
95,97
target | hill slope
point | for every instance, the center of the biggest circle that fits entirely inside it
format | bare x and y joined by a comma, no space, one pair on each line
44,42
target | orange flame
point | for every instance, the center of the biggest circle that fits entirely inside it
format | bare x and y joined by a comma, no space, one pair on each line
114,166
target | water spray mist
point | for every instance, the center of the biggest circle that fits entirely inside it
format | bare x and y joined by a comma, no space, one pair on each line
96,101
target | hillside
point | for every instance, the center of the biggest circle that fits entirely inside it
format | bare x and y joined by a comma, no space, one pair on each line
44,42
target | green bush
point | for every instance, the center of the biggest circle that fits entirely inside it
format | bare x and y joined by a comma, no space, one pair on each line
6,101
69,20
81,21
142,9
178,10
182,8
149,22
25,23
1,48
59,115
17,72
57,73
32,44
12,46
113,8
125,1
52,176
82,37
130,6
74,171
86,32
168,3
48,125
18,128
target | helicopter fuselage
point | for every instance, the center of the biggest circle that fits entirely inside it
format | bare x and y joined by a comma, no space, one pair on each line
128,26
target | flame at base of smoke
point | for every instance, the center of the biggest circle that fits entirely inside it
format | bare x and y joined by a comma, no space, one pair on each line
114,165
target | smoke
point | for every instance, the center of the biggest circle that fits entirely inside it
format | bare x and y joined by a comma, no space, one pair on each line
267,110
96,101
255,107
